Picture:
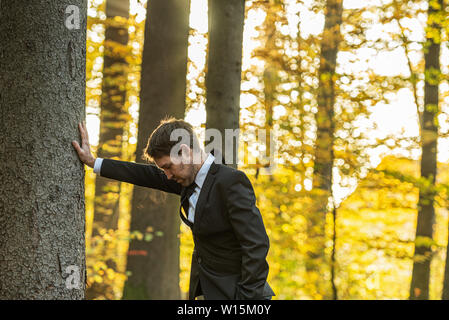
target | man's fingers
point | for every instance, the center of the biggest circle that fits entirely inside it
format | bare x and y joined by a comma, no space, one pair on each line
85,136
84,139
76,146
79,150
81,129
85,130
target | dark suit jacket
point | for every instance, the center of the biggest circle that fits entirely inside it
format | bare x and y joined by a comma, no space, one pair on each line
231,244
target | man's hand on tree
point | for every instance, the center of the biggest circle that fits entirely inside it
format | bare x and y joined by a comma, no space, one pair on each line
84,151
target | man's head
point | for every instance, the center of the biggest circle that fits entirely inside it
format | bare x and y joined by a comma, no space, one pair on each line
174,147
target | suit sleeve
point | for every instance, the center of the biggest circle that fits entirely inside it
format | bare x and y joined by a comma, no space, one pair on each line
249,229
144,175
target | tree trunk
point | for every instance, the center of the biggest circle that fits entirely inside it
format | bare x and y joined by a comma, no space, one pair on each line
155,264
113,119
419,288
270,77
445,295
300,105
42,97
324,154
224,69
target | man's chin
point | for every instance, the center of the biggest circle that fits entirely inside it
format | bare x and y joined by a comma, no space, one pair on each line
185,183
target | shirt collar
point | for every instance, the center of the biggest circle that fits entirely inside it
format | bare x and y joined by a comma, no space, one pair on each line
202,173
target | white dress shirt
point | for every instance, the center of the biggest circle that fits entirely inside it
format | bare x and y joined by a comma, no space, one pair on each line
199,180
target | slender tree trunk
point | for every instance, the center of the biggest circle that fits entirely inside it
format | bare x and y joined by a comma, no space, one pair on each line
113,119
419,288
333,254
270,76
445,295
224,67
154,265
113,116
324,156
302,119
42,98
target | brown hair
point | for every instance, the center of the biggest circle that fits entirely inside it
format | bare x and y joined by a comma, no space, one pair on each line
159,143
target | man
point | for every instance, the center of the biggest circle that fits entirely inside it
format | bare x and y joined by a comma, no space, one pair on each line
217,203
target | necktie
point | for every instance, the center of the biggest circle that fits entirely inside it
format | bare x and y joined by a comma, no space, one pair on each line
185,204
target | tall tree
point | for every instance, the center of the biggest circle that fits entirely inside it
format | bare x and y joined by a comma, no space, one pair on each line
113,118
270,74
224,67
42,85
445,294
324,144
154,265
419,288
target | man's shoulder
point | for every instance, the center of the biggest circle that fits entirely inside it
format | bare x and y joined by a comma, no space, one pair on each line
229,175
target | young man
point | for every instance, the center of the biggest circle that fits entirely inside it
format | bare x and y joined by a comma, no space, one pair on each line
217,203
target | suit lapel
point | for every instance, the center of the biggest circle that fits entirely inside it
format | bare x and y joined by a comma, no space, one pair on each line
183,192
205,189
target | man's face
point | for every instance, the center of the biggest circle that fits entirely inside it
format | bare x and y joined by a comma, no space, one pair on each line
182,173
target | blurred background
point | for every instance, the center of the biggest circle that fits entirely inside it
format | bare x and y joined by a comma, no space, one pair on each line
355,94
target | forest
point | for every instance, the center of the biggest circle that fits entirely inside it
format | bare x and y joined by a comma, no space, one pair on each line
341,113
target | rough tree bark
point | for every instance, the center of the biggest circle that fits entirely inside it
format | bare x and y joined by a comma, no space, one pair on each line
155,264
324,154
224,69
42,97
419,288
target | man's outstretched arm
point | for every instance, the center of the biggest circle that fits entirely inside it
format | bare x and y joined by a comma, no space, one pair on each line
143,175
